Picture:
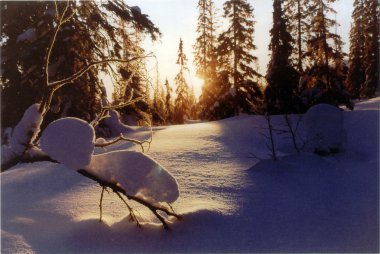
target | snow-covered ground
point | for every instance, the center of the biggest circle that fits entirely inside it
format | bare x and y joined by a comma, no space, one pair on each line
230,201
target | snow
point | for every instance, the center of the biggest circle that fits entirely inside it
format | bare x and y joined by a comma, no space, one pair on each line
115,125
28,125
24,132
325,129
70,141
138,174
230,202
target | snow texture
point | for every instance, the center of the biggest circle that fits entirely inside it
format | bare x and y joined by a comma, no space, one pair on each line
69,141
26,130
138,174
301,203
325,129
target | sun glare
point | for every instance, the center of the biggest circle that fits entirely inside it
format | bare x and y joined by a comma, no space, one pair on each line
197,83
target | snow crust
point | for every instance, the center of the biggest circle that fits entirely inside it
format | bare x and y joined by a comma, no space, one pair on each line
137,173
325,128
69,141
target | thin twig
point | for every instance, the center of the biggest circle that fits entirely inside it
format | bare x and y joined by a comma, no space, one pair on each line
52,41
122,138
131,212
100,204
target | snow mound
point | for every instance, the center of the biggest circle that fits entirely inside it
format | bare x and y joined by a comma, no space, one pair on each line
69,141
138,174
325,132
29,125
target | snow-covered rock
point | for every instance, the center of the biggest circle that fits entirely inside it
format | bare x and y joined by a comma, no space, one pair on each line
69,141
325,132
138,174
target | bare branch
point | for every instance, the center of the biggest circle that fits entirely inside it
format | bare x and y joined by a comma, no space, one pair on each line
122,138
131,212
100,203
52,41
85,69
56,11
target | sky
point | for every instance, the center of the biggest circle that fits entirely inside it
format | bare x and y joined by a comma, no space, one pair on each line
178,19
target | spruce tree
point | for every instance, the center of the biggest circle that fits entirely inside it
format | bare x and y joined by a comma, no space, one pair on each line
236,57
205,53
281,76
371,54
321,53
86,37
356,73
324,80
182,101
168,102
296,13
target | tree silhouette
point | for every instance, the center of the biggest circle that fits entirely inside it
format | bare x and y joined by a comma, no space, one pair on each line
182,103
356,73
205,54
281,76
235,54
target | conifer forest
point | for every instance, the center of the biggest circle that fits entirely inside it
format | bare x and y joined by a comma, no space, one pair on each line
238,125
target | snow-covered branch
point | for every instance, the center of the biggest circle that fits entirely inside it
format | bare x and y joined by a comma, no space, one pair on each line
117,189
122,138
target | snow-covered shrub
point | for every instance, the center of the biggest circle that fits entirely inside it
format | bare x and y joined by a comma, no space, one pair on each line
23,134
27,129
114,124
69,141
325,131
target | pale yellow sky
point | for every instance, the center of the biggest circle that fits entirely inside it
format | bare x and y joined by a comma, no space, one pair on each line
178,19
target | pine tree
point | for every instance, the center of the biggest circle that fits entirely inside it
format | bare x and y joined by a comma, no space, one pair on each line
236,54
182,102
371,54
356,73
281,76
205,57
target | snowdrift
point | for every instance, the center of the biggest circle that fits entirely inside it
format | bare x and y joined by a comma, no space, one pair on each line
231,202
